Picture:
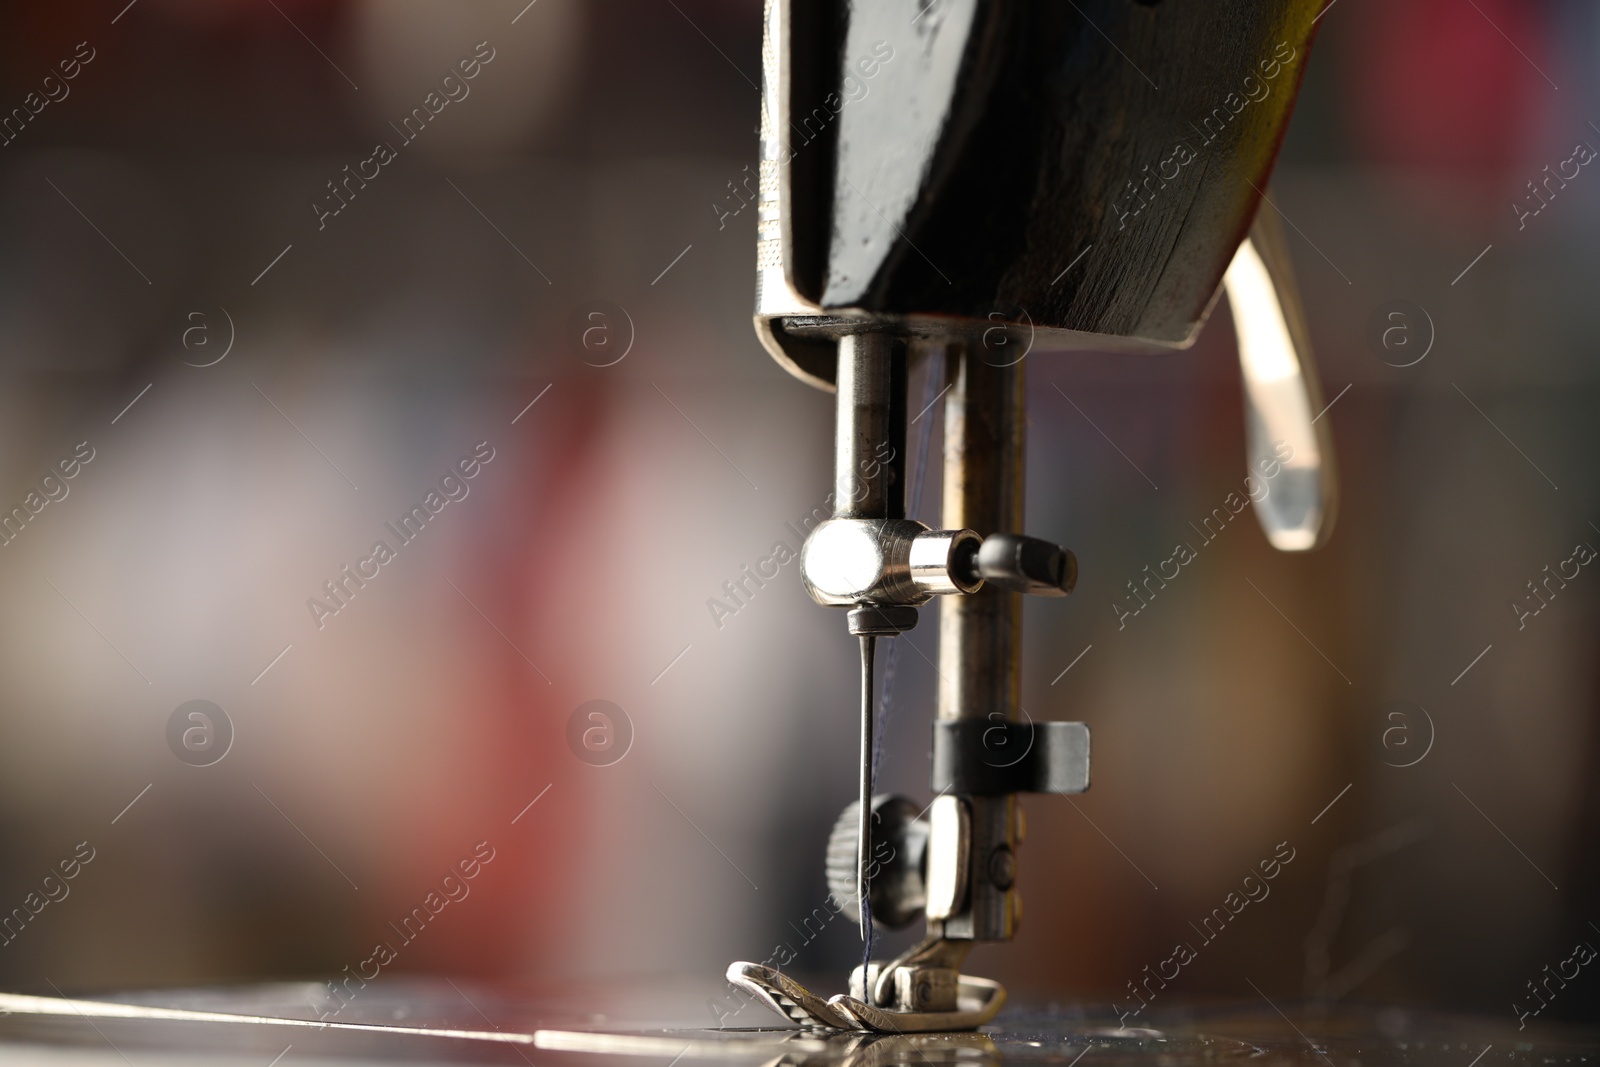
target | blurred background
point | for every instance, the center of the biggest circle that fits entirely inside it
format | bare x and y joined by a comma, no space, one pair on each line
268,361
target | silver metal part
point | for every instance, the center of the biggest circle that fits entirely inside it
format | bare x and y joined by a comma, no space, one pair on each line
881,565
869,429
949,831
1289,458
980,645
847,561
978,1000
789,998
869,552
925,977
946,561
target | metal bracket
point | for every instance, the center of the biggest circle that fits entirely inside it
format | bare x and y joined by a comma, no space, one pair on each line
978,1000
972,757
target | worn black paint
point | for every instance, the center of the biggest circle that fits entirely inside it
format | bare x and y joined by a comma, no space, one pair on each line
1040,126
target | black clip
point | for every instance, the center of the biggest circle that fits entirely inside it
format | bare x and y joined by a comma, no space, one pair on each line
993,757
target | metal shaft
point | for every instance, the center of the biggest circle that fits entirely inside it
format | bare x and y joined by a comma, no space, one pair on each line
980,636
864,826
870,428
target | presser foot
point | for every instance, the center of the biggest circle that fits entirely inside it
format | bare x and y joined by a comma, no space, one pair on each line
972,1001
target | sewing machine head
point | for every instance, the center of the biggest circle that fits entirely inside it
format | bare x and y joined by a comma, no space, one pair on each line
947,188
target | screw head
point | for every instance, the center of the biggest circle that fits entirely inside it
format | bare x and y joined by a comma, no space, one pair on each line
1003,867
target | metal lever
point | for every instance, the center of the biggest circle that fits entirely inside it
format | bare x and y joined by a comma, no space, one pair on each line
1290,458
1025,564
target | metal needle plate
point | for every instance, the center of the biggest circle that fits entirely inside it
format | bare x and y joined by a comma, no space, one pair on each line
445,1023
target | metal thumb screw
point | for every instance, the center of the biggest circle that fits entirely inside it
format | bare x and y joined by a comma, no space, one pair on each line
1027,565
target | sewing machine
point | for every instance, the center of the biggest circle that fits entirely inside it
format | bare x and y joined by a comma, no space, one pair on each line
948,188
